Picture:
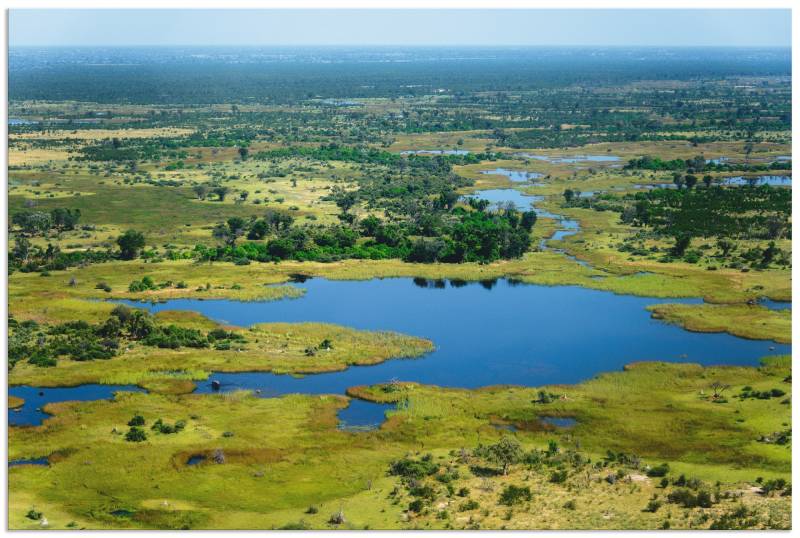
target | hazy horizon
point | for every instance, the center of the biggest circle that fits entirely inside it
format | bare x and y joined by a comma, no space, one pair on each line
434,28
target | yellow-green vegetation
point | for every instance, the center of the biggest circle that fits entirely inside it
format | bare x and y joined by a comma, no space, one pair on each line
283,462
282,348
265,180
747,321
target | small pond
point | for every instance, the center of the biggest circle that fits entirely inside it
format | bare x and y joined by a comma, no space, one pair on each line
775,181
35,461
362,415
517,176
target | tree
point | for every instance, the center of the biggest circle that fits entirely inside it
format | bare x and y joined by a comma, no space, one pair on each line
504,453
691,181
22,249
569,194
707,179
718,387
345,200
201,191
130,243
677,179
230,231
243,152
528,220
682,242
221,192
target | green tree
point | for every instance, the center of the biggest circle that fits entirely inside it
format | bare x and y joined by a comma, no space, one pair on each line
130,243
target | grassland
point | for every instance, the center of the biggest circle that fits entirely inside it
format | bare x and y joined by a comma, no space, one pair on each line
286,464
281,348
756,322
283,455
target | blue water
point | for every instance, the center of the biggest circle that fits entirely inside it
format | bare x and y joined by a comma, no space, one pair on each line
30,412
435,152
776,181
196,459
18,121
486,333
559,422
496,332
775,305
571,159
517,176
362,415
35,461
500,197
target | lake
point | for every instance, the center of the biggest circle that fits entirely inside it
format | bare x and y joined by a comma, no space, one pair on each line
486,333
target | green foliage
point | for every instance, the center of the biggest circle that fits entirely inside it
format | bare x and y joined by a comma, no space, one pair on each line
658,471
512,495
411,468
136,435
130,243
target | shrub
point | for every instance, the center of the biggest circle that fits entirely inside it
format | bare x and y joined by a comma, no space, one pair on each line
409,468
558,477
512,495
416,506
137,420
658,471
652,506
471,504
136,435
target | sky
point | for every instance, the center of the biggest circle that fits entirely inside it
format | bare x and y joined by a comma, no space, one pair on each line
482,27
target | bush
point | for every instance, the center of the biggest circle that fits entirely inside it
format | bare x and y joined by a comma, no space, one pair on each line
512,495
409,468
416,506
652,506
658,471
136,435
137,420
558,477
471,504
687,499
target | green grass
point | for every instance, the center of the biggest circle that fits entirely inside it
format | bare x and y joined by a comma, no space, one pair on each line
269,347
746,321
285,454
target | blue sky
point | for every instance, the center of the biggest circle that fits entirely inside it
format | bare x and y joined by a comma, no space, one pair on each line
680,27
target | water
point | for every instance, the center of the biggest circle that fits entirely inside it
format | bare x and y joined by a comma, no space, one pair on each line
30,413
488,333
18,121
35,461
362,415
570,159
559,422
435,152
775,305
498,332
776,181
196,459
517,176
501,197
719,160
